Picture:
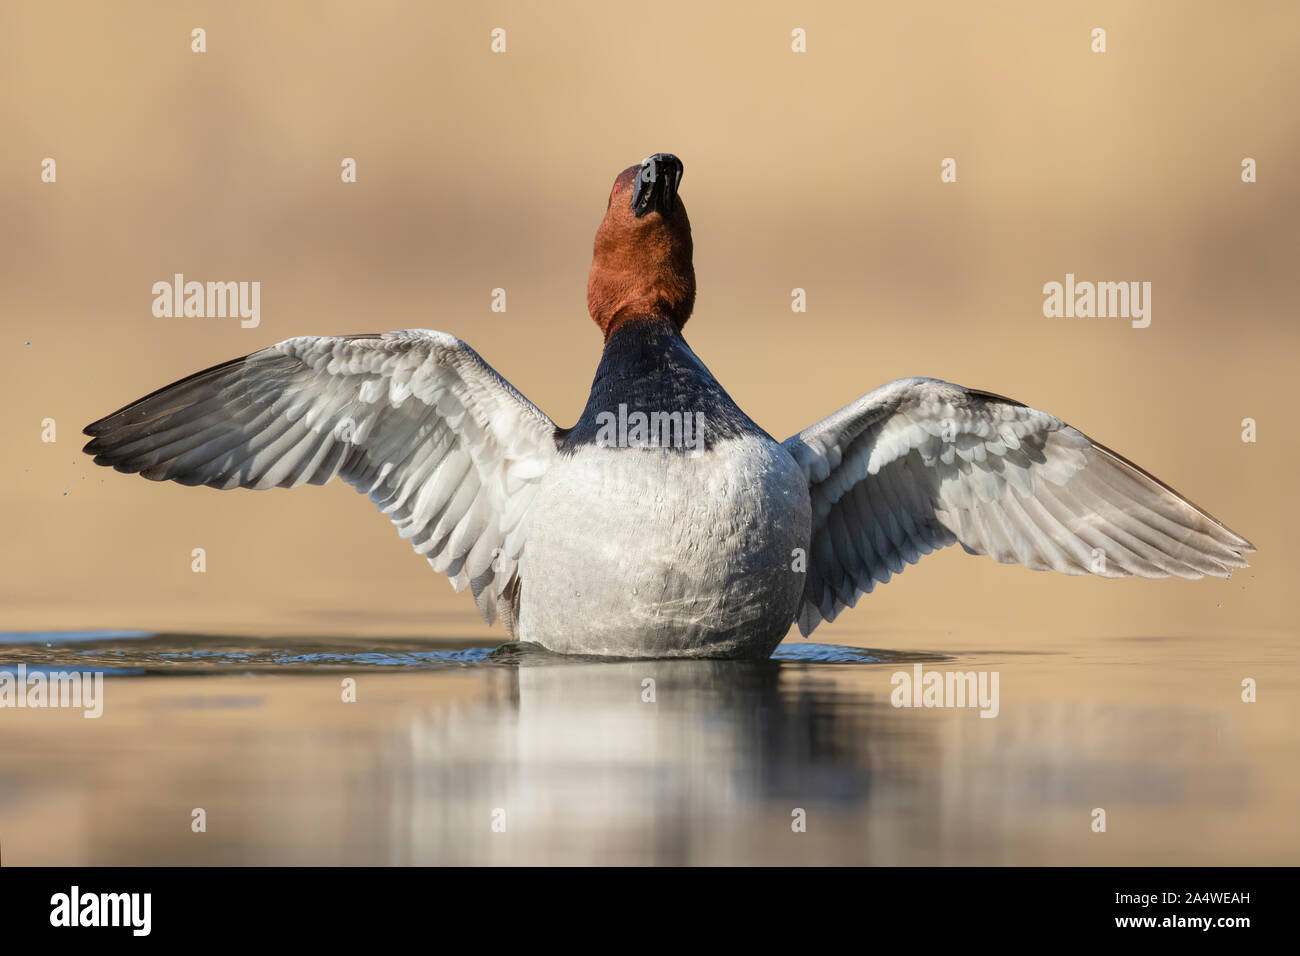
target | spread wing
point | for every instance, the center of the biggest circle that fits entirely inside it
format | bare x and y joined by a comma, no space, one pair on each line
919,464
445,446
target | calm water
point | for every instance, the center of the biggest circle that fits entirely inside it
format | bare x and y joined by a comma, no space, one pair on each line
578,765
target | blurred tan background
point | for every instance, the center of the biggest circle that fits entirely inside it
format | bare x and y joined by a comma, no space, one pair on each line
816,170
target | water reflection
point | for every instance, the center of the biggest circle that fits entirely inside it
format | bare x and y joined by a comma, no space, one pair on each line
519,758
586,769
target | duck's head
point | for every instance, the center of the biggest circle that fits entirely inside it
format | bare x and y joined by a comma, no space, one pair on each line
641,264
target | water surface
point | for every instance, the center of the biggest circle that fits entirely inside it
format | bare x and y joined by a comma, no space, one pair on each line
675,762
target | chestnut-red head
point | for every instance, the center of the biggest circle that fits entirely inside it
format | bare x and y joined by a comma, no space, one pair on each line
641,264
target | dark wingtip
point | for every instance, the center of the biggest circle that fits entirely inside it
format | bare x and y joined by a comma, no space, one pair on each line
99,431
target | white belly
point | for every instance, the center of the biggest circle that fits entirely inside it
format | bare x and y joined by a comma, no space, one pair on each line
637,552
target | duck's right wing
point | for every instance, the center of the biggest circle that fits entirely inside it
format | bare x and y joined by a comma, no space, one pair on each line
445,446
920,464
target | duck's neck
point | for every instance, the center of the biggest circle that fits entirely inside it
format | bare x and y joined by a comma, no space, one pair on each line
647,367
647,353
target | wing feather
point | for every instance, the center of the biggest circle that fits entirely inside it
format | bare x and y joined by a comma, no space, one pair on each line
920,464
442,445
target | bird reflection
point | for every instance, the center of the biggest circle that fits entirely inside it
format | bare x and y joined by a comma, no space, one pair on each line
598,760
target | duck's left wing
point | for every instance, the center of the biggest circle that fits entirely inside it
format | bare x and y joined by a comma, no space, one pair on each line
445,446
919,464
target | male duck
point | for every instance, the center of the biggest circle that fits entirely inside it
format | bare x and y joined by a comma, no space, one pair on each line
665,522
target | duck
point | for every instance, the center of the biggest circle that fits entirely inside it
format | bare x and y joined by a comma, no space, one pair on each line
665,522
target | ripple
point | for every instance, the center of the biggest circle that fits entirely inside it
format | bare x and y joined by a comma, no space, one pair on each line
139,653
